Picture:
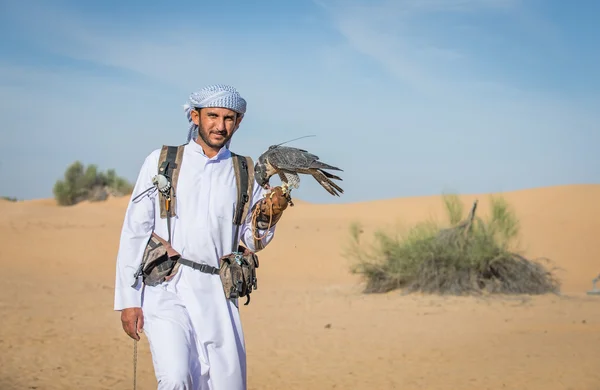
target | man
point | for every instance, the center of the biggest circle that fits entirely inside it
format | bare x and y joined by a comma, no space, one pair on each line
193,330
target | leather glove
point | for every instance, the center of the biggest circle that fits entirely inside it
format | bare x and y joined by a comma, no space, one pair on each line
271,208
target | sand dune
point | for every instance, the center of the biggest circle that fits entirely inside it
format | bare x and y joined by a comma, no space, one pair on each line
309,326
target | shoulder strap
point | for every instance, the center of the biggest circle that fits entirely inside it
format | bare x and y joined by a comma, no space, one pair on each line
243,167
244,175
169,164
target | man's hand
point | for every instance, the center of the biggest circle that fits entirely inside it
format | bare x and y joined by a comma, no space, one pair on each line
132,320
271,208
279,200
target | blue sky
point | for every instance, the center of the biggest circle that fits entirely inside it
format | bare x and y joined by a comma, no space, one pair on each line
409,97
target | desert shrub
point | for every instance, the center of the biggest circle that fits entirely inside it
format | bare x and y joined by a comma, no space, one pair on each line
87,183
9,198
469,256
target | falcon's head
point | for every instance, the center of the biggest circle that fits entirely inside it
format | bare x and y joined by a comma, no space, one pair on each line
260,175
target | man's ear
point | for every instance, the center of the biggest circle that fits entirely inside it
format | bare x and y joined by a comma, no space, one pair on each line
239,120
195,114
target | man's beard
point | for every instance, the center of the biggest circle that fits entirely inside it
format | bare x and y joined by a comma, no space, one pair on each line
202,134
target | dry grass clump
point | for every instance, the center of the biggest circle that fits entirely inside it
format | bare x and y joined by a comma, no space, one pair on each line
472,256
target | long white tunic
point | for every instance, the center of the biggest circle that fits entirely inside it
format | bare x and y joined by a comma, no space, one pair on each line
194,332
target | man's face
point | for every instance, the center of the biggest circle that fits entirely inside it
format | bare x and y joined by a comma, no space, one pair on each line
216,125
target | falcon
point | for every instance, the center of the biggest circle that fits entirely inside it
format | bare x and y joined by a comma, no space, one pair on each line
287,162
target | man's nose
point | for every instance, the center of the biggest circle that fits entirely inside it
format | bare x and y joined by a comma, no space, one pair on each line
221,124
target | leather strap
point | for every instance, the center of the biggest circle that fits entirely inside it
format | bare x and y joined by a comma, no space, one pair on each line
207,269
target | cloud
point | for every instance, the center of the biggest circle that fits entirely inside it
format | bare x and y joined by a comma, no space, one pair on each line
458,5
397,36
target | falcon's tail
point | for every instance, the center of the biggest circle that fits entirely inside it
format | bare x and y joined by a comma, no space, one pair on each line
330,175
321,165
331,187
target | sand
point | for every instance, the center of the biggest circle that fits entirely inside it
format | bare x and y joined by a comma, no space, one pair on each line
309,326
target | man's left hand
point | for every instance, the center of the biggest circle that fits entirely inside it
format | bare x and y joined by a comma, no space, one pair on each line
272,207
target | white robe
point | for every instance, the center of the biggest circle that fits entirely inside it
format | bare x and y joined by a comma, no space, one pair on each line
194,332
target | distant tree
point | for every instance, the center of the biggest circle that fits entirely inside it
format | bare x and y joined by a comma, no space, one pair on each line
87,183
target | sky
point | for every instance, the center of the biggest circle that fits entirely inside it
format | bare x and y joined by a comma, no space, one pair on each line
408,97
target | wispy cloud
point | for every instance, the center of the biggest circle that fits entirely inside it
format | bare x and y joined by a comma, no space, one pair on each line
420,43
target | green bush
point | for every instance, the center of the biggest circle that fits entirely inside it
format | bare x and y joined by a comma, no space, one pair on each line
470,256
87,183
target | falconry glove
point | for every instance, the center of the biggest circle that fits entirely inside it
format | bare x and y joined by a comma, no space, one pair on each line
270,209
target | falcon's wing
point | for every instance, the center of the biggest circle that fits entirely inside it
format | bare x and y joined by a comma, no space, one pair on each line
290,159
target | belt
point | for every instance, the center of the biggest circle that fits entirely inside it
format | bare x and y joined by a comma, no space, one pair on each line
207,269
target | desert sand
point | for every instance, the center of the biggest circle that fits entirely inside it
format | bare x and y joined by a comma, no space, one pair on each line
309,326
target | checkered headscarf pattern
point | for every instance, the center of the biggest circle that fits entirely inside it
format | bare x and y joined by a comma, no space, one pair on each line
217,95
